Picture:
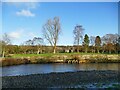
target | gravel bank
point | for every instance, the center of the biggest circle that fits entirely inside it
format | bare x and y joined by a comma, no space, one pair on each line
64,80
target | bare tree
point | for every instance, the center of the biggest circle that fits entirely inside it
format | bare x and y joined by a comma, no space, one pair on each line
92,42
110,38
29,42
78,35
39,43
117,45
36,41
51,31
5,41
109,41
110,47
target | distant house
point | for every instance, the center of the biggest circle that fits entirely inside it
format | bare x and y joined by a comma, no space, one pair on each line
67,50
70,50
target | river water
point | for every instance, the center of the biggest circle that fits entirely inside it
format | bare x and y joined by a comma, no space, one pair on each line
56,67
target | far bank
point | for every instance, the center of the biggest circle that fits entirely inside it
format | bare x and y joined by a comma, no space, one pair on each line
16,59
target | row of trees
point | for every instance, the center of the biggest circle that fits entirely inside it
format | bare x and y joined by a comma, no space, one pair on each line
111,41
51,32
33,49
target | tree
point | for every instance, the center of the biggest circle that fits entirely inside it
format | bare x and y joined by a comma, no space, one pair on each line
86,42
78,35
39,43
29,42
110,47
109,41
92,42
117,44
1,48
51,32
5,41
98,43
36,41
110,38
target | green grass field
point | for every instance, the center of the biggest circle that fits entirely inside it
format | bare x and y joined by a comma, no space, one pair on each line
51,54
16,59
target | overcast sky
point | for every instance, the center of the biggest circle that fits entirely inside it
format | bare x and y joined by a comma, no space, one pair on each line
23,21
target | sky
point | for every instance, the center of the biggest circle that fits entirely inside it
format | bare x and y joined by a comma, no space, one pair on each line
23,21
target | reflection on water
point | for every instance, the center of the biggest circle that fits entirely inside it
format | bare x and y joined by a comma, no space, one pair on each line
58,67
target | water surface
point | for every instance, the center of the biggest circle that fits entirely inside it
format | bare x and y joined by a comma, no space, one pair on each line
56,67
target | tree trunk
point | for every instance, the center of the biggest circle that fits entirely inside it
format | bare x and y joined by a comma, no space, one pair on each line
38,51
3,55
54,49
109,51
103,51
86,50
93,49
98,50
78,48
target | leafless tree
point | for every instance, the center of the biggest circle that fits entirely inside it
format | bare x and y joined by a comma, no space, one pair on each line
5,41
36,41
92,42
110,38
109,42
39,43
51,31
29,42
78,35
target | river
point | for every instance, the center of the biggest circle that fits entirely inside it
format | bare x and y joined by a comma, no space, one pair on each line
56,67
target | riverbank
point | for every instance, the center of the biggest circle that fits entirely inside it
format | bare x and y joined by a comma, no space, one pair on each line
59,58
81,79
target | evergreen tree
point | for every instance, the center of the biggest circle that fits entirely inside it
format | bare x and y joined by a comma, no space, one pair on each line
86,42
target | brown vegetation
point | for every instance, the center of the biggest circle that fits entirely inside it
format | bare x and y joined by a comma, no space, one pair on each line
62,59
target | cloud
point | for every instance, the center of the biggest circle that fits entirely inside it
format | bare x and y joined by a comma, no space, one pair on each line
19,36
26,13
21,33
16,34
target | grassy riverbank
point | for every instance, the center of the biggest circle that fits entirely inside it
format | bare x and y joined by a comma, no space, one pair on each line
17,59
81,79
51,54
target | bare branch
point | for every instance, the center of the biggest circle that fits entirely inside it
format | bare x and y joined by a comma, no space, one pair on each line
51,31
